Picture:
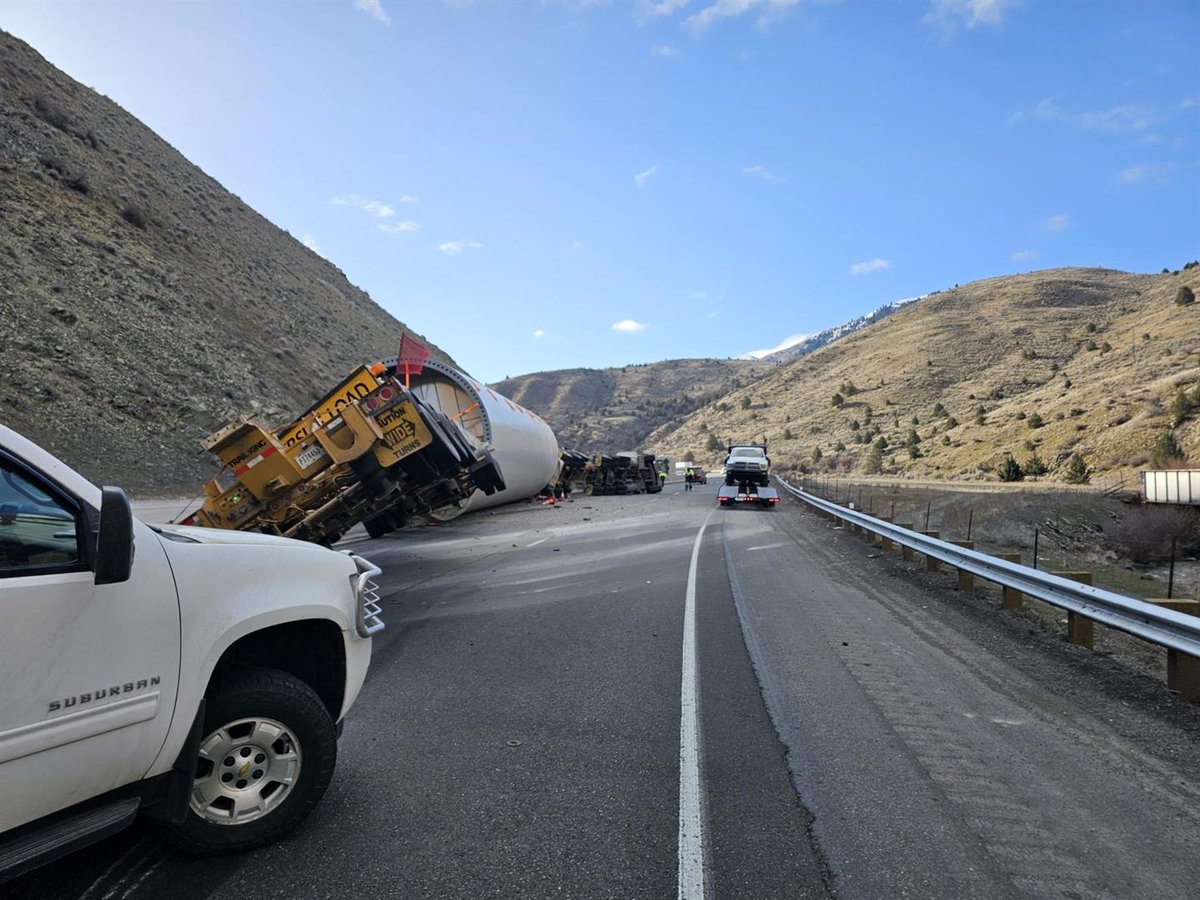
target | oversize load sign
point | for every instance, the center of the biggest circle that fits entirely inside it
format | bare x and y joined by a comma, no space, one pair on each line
403,431
352,389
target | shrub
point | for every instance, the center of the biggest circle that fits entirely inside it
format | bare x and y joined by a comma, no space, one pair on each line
980,419
873,461
1091,327
1090,345
746,402
817,454
1035,421
1034,465
1010,470
938,410
839,447
51,113
1077,470
838,401
135,216
1182,408
952,422
787,434
713,443
1147,532
1166,451
1191,265
1185,296
1021,415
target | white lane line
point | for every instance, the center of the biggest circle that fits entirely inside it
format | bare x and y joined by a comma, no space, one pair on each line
691,818
538,541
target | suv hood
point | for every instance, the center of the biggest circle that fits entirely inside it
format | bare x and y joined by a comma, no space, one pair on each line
225,536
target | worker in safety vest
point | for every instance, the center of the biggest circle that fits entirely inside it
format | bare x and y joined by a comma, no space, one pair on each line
688,475
662,476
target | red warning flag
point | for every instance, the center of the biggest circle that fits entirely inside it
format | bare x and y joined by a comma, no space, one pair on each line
411,357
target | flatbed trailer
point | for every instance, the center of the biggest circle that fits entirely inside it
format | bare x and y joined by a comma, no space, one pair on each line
737,494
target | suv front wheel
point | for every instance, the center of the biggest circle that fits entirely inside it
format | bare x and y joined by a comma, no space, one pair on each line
266,758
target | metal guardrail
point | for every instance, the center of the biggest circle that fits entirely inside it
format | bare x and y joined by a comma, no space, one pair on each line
1165,627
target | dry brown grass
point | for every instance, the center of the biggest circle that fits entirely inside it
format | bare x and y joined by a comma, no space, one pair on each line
1014,346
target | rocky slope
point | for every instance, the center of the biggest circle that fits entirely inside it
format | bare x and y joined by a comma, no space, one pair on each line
142,305
615,409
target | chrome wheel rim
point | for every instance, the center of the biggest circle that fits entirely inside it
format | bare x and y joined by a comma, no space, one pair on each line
246,769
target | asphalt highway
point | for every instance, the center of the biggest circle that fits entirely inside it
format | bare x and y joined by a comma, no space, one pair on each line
551,677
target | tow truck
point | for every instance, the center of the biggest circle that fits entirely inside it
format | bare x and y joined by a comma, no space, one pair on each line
747,477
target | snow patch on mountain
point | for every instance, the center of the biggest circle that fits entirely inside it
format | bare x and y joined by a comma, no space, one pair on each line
802,344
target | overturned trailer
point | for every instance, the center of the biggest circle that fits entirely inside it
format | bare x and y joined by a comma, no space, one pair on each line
369,451
622,473
521,443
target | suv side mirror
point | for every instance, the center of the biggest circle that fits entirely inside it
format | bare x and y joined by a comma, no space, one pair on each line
114,539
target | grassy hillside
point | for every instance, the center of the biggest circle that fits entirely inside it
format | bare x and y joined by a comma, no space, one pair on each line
1098,355
142,305
615,409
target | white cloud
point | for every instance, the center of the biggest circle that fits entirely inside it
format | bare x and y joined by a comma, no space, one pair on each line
871,265
665,51
1146,172
1187,102
648,9
629,326
782,345
539,333
375,208
453,248
1115,120
578,245
642,177
1118,120
1056,223
947,16
761,172
374,9
1025,255
408,198
311,243
399,227
768,11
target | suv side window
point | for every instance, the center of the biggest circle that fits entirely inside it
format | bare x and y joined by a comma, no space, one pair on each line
39,533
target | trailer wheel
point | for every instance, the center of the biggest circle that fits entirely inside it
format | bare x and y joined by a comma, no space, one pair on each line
266,758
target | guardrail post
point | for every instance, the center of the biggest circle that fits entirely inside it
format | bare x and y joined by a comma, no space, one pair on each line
885,543
1183,675
1079,629
1012,597
930,562
1191,607
906,551
966,581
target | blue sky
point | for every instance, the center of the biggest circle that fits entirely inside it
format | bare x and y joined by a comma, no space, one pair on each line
547,185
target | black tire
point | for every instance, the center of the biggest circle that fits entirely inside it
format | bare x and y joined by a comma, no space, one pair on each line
378,526
729,481
281,699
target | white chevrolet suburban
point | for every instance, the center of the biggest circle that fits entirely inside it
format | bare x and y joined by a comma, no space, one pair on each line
199,676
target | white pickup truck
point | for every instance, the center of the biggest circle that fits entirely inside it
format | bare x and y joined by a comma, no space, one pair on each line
197,675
